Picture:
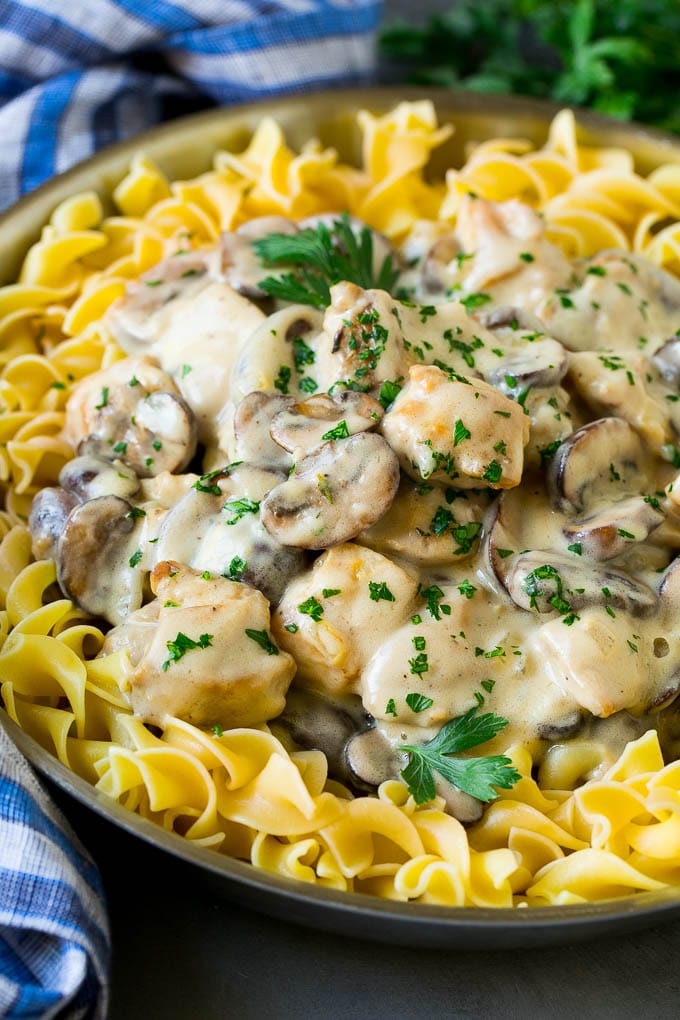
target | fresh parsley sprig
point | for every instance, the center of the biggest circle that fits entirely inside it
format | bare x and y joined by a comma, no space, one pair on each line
477,776
323,256
621,58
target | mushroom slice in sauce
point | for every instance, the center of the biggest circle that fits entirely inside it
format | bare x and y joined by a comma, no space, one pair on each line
211,659
601,460
609,529
216,526
239,265
334,493
278,355
546,581
316,721
133,412
252,424
457,431
303,426
667,360
97,562
47,519
541,362
429,524
89,476
149,302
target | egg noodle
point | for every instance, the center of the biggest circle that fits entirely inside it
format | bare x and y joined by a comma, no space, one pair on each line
242,793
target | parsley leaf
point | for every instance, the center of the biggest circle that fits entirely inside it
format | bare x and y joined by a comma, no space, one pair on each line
475,776
323,256
183,644
262,638
378,590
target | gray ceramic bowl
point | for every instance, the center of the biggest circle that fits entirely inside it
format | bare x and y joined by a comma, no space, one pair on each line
184,149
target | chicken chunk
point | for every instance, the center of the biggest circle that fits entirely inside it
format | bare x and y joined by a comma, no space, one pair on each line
210,659
457,431
334,617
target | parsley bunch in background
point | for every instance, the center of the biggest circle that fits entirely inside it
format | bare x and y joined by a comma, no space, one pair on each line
622,57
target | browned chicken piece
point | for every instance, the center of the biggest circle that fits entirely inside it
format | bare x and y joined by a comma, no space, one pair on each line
211,659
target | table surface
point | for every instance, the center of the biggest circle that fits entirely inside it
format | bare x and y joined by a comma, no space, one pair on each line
179,952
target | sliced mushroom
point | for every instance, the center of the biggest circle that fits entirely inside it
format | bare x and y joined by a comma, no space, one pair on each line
315,721
134,319
667,360
562,729
97,565
279,354
334,493
132,412
216,526
608,531
545,581
603,459
239,265
541,362
49,511
509,317
428,524
160,435
303,426
252,424
89,476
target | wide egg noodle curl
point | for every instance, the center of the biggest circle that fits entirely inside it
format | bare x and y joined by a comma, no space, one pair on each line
241,793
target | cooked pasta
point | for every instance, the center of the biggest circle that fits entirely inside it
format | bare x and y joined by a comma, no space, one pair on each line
590,814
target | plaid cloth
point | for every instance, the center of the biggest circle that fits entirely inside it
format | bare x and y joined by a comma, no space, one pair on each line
75,76
79,74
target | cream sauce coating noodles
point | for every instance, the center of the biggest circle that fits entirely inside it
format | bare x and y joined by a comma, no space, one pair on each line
251,549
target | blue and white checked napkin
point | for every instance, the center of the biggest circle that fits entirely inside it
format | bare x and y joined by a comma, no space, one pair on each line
76,75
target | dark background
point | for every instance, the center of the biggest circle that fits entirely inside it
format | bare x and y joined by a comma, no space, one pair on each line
182,951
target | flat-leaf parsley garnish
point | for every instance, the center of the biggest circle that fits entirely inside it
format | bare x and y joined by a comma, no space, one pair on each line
476,776
322,256
183,644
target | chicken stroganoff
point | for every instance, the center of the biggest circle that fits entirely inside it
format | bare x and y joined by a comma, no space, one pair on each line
360,523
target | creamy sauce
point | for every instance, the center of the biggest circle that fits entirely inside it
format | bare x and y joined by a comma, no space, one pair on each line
519,561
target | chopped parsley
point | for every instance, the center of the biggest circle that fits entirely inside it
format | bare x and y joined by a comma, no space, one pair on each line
466,589
240,507
135,558
460,433
339,432
183,644
390,707
492,472
418,702
104,399
236,568
419,664
282,379
311,607
262,638
378,591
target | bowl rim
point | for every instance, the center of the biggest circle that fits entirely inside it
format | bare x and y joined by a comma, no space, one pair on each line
410,918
